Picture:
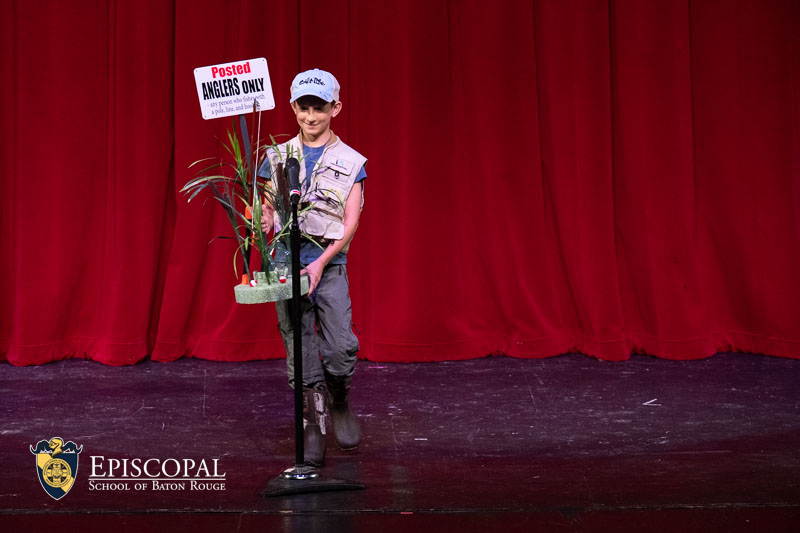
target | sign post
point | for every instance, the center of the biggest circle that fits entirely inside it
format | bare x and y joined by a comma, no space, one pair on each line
235,88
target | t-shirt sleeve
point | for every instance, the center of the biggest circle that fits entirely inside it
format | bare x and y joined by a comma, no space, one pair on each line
362,174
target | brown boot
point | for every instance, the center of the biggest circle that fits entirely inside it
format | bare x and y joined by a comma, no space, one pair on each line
314,416
344,421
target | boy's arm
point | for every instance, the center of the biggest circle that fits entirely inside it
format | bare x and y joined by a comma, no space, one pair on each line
352,212
266,213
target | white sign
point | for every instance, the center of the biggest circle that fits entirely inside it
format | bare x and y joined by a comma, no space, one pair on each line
230,88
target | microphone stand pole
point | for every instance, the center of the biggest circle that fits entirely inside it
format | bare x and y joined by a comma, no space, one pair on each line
301,478
297,336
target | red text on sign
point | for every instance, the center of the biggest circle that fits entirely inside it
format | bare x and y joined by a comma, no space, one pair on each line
230,70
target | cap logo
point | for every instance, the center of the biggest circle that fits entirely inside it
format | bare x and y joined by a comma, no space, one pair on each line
315,81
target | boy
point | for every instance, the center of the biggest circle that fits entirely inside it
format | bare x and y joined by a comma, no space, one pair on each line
330,165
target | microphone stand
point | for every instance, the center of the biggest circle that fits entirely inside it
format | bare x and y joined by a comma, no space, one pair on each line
300,478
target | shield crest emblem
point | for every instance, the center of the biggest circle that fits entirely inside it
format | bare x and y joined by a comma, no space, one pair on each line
56,465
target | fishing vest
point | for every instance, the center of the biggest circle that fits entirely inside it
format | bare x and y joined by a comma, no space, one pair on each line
328,189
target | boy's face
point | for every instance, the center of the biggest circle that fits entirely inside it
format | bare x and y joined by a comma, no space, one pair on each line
314,115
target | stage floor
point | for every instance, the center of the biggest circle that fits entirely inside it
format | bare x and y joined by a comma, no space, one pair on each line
562,444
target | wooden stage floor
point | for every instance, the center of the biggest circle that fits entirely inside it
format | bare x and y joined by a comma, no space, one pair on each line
562,444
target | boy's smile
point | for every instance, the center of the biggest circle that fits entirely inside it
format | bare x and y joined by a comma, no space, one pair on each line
314,117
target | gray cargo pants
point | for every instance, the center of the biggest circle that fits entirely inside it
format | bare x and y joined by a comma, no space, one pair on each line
331,345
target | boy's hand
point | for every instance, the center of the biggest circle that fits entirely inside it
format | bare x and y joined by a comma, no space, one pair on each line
266,220
314,271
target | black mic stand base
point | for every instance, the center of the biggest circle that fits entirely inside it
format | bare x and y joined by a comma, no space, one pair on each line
303,479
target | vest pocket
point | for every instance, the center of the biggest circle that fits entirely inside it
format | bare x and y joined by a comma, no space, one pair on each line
330,187
340,166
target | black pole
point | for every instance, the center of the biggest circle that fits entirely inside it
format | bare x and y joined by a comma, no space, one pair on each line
297,334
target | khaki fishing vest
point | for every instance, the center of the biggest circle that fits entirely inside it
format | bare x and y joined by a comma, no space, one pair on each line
328,189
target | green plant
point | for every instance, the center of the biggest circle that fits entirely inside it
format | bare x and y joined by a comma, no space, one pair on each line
230,182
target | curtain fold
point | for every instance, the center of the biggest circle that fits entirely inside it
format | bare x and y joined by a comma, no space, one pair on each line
608,177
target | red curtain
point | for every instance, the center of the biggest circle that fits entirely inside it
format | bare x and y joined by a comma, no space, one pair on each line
605,177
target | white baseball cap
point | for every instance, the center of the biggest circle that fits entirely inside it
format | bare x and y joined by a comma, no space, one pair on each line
317,83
